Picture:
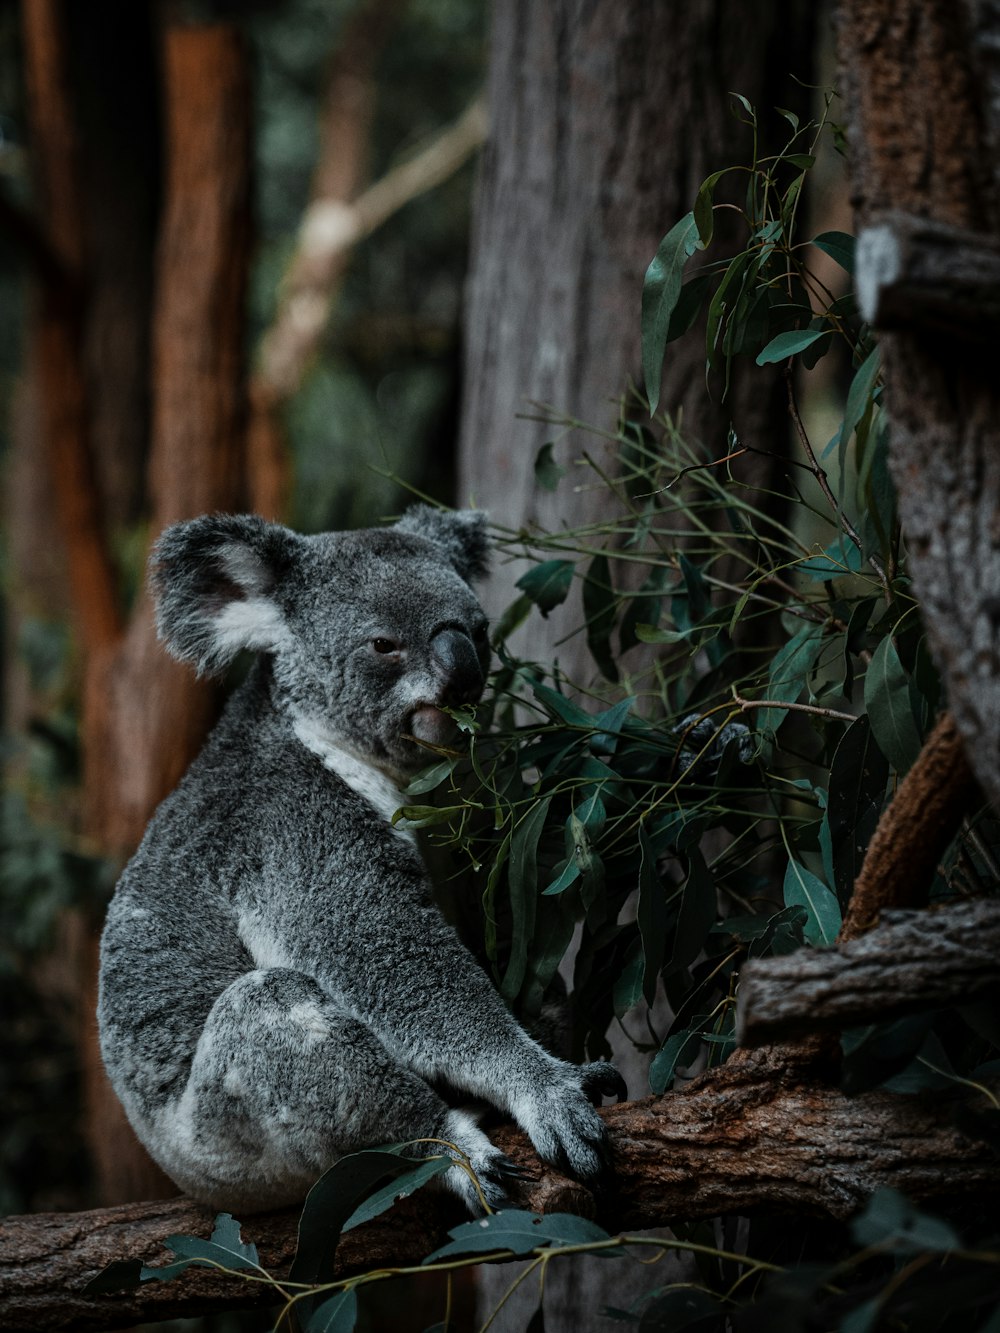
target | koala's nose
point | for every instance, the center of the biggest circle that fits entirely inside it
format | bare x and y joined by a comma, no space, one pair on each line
456,664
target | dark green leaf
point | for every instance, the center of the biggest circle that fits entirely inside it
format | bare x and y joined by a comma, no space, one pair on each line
788,344
514,616
518,1232
840,557
801,161
697,911
628,986
547,584
337,1315
863,1318
554,924
651,916
120,1275
858,778
859,397
893,707
547,470
429,778
599,605
660,291
839,246
679,1048
522,879
703,213
877,1053
790,669
331,1201
804,889
890,1219
401,1188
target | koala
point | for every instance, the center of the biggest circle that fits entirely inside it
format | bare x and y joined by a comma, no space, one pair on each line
277,985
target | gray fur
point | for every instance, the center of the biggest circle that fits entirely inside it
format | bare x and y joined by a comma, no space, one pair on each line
277,987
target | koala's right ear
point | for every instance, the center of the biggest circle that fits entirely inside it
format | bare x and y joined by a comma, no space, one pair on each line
213,579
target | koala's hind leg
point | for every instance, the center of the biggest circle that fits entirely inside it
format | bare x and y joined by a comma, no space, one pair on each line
283,1083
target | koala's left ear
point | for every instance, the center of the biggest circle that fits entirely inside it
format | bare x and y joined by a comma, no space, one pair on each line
214,580
460,533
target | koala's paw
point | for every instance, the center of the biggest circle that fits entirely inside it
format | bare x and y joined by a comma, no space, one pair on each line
493,1169
565,1128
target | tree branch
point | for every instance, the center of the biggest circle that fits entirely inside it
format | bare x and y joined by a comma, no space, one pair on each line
914,832
742,1137
912,961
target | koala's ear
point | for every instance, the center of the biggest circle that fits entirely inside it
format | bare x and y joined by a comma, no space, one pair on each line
213,579
460,533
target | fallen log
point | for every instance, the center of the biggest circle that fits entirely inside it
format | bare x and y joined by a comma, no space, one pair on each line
912,961
740,1138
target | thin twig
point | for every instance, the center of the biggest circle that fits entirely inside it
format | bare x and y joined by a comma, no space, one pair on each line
747,705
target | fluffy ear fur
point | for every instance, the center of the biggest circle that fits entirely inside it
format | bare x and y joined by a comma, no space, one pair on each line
212,578
460,533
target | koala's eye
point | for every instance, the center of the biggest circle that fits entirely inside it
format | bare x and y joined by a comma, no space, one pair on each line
385,646
479,632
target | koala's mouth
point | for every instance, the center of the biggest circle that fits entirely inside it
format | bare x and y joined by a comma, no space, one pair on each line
432,726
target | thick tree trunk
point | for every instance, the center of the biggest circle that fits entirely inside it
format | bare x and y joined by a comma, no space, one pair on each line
738,1139
145,716
923,144
605,119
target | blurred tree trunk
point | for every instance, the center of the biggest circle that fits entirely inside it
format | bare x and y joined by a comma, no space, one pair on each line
96,350
605,119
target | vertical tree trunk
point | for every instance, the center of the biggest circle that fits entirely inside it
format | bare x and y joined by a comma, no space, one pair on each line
605,119
145,715
920,90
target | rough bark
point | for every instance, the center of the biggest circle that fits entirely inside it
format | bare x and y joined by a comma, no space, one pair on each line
911,961
737,1139
922,143
605,119
915,831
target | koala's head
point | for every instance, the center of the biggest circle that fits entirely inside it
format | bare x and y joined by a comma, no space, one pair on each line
370,633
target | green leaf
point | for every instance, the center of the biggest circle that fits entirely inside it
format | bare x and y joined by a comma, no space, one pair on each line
554,925
651,916
401,1188
859,397
627,990
704,216
513,617
790,669
547,584
788,344
840,557
660,291
599,605
858,777
330,1203
890,1219
518,1232
839,246
226,1247
675,1050
569,874
429,778
547,470
119,1275
804,889
522,881
337,1315
697,911
863,1318
801,161
893,707
422,816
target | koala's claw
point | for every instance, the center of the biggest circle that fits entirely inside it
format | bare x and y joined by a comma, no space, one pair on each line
602,1079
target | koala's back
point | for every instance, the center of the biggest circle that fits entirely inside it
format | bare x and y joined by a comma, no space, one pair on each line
256,828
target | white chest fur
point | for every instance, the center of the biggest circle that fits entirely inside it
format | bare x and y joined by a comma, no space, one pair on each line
376,787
